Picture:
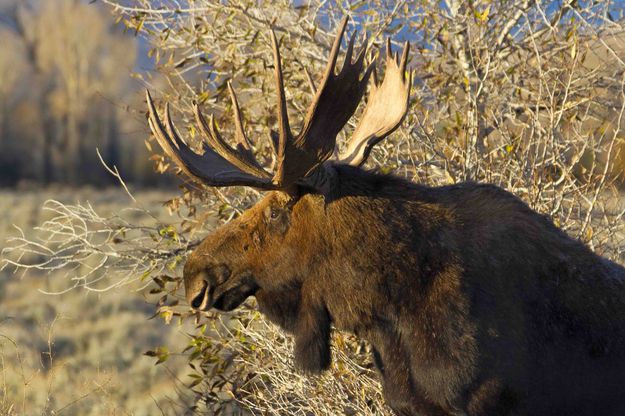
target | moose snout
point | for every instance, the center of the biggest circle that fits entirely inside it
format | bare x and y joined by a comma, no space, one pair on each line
199,288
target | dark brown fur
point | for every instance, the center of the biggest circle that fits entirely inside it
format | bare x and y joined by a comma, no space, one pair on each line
474,303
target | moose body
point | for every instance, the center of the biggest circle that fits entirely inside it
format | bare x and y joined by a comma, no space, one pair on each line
474,304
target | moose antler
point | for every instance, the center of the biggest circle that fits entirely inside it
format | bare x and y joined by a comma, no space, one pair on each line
385,110
223,167
335,101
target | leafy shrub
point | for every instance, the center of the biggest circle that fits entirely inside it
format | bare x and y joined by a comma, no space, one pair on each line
525,95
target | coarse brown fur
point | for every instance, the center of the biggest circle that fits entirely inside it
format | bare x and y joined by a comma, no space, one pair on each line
474,304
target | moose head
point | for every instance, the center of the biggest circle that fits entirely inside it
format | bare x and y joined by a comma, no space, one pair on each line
271,245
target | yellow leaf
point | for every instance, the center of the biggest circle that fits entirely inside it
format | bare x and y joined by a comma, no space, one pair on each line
167,315
483,16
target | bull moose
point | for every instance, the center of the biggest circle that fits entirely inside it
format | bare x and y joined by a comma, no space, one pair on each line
474,304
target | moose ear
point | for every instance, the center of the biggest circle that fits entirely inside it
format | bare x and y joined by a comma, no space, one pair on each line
312,335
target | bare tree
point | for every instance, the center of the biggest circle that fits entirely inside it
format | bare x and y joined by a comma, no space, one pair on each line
76,64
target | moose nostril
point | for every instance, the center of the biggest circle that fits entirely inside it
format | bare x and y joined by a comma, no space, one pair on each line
197,301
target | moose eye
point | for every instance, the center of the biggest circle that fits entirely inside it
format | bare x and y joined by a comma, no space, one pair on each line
277,219
274,214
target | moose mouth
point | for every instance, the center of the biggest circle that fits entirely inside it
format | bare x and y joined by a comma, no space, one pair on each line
225,297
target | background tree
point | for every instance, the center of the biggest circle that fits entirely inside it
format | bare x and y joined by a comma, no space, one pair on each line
63,91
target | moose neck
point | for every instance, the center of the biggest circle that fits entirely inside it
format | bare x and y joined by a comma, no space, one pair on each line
345,225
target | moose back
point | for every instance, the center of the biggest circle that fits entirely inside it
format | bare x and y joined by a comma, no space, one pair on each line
473,303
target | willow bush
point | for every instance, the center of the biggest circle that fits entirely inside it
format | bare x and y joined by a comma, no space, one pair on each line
526,95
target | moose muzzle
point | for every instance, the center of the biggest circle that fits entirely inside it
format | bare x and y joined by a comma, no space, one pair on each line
216,287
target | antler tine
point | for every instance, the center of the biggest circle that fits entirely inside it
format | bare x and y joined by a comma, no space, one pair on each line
209,168
283,117
386,107
165,141
404,59
244,146
213,138
239,135
350,48
336,46
389,50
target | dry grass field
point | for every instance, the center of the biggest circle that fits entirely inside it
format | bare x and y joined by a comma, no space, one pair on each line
81,353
